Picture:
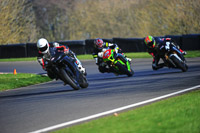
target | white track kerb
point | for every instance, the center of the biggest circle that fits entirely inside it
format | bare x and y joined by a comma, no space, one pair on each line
113,111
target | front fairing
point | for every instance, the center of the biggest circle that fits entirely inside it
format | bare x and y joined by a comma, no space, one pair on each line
70,67
57,57
108,56
166,50
112,58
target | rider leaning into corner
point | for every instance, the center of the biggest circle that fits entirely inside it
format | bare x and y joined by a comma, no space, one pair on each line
44,55
152,48
99,46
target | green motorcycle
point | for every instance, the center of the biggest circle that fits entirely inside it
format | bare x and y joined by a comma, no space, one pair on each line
117,62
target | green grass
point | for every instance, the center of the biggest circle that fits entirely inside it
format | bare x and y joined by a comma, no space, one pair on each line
11,81
178,115
138,55
85,57
190,54
19,59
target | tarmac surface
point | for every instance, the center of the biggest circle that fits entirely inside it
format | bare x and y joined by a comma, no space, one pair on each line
39,106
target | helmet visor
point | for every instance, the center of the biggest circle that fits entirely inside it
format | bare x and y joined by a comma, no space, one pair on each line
43,48
151,44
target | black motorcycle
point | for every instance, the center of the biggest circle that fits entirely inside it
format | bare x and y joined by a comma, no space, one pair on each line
172,56
65,69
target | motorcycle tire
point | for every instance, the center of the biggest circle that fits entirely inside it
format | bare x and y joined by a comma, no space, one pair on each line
84,82
179,64
68,79
125,70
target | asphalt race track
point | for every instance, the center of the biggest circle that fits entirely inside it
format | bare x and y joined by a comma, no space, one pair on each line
39,106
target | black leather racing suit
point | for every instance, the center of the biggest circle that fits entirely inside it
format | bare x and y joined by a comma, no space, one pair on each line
155,52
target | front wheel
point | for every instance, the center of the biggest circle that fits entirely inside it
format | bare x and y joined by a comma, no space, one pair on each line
124,70
83,81
183,66
69,79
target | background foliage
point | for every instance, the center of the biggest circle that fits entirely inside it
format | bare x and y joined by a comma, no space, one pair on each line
27,20
17,23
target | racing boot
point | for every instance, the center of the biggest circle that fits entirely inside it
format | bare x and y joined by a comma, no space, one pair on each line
82,69
183,52
156,67
129,59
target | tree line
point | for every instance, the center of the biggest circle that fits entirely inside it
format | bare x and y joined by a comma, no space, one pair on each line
27,20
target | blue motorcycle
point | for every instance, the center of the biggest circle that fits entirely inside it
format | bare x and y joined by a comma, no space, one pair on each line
64,68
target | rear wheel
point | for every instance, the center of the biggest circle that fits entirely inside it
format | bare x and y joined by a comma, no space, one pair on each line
69,79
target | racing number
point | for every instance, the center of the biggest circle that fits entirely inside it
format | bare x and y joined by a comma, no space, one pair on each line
167,45
107,54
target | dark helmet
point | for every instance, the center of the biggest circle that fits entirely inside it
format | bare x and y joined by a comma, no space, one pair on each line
150,42
98,43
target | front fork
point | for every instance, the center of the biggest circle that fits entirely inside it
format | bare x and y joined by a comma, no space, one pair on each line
174,53
124,61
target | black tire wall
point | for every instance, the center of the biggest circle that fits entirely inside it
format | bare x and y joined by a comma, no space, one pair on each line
186,42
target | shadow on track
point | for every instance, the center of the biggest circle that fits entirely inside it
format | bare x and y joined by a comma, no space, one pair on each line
105,77
108,77
158,72
166,73
34,94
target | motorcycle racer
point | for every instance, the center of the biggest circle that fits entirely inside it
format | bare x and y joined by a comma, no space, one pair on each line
99,47
44,55
152,48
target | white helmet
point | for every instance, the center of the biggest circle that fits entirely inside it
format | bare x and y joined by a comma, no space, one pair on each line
43,45
55,44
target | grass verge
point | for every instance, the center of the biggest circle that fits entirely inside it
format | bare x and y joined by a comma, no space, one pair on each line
11,81
18,59
190,54
177,114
